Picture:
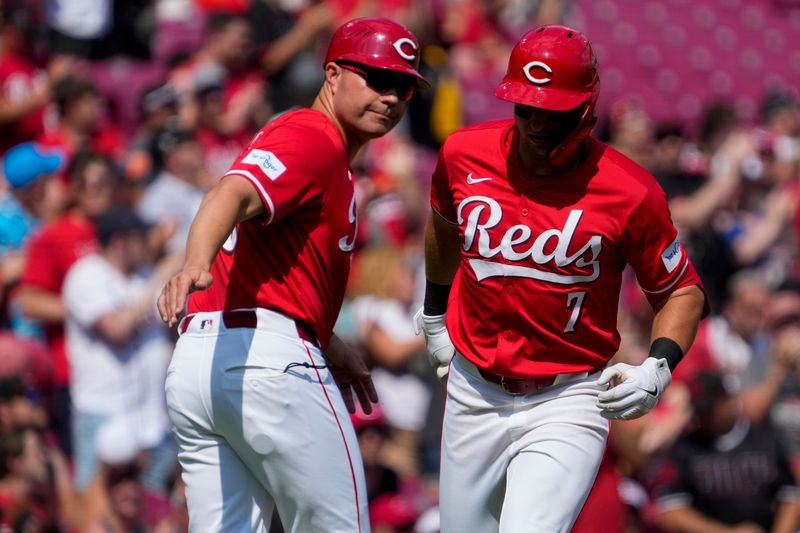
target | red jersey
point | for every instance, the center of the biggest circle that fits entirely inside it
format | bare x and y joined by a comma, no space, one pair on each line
219,150
538,287
19,78
50,255
296,258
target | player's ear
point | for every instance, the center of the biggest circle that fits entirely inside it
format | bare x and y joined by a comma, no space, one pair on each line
333,73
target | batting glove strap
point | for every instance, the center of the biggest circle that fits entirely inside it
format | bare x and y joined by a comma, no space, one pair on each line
440,348
635,390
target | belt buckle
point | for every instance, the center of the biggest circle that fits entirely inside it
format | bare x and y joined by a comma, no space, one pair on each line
504,386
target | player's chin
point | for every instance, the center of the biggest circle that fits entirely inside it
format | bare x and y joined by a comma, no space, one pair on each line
541,150
377,125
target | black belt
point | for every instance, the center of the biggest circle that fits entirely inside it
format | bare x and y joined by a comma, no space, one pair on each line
518,387
246,318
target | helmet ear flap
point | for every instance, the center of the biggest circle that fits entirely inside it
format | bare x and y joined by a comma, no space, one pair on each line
574,140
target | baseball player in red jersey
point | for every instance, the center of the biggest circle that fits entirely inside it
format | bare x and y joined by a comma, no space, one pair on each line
252,387
533,223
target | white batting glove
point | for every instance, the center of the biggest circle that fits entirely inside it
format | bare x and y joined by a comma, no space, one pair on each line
440,348
634,390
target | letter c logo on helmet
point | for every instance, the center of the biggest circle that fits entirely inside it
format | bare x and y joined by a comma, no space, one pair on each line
398,45
537,81
554,67
377,43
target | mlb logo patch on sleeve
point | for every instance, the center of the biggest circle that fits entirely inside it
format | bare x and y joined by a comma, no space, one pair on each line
672,256
266,161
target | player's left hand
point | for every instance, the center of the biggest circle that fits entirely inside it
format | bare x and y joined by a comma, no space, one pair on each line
634,390
440,348
351,374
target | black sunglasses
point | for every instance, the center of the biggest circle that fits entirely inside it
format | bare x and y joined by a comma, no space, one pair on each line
382,81
567,117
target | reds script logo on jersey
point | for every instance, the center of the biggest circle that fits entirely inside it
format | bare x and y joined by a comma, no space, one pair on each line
480,214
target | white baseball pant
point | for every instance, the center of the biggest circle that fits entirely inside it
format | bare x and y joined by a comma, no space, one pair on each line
517,464
255,433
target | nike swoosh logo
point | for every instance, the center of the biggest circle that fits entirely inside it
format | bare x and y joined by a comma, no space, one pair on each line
473,181
651,392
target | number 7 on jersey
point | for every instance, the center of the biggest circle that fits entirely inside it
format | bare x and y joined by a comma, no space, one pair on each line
574,300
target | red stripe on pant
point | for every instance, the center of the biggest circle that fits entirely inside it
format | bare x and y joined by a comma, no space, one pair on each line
344,440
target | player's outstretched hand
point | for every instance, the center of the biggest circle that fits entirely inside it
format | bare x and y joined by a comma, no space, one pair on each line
173,296
634,390
351,374
440,348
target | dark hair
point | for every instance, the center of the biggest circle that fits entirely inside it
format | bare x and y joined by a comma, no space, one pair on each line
166,140
719,118
12,444
71,89
118,221
82,160
218,22
119,473
664,130
705,389
789,284
17,14
12,387
776,101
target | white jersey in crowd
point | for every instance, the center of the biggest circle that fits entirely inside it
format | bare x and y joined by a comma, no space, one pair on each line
404,397
113,379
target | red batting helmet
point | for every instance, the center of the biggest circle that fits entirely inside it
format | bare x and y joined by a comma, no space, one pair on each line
377,43
554,67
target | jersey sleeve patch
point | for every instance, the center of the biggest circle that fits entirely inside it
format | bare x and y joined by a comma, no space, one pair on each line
268,162
672,255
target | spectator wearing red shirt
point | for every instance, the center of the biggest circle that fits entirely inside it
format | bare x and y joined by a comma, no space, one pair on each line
82,122
25,89
52,251
228,55
219,148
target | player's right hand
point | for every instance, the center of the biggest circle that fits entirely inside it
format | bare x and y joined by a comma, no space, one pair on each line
351,374
440,348
172,300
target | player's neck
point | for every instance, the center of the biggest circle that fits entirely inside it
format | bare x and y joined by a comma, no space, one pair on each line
324,105
542,167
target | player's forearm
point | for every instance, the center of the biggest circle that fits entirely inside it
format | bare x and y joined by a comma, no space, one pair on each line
442,250
679,316
231,201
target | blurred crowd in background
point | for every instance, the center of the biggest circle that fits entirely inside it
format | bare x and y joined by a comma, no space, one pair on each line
117,115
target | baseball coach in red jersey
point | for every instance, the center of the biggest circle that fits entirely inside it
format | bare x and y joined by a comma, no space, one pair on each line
533,223
254,385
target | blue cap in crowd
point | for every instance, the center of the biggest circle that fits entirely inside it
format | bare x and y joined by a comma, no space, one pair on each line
25,163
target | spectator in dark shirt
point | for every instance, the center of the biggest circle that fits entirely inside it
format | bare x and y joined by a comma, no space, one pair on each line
726,475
